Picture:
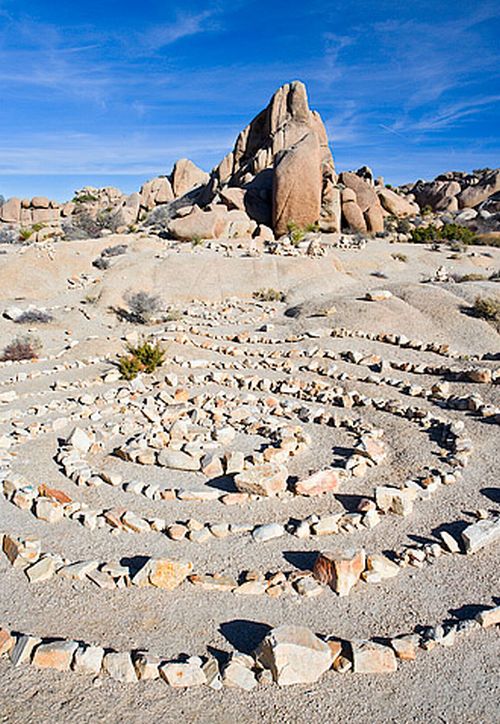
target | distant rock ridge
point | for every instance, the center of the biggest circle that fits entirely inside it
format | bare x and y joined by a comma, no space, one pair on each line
279,175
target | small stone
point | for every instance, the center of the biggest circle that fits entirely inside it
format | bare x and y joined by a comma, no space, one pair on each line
168,574
294,655
238,676
211,466
119,666
6,642
369,657
381,565
55,655
178,460
405,647
49,510
88,659
21,652
378,295
324,481
182,675
340,569
450,543
215,582
42,570
480,534
267,479
79,439
267,532
251,588
146,666
395,500
489,617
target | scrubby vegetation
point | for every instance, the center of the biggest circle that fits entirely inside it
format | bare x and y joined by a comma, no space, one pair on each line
297,233
144,357
399,257
143,306
116,250
487,308
101,263
269,295
34,316
447,232
22,348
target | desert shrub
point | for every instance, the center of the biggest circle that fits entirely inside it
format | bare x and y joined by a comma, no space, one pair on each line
489,239
25,347
34,316
403,226
474,277
399,257
426,210
172,315
101,263
38,226
487,308
269,295
143,306
144,357
448,232
24,234
495,276
197,241
84,198
116,250
297,233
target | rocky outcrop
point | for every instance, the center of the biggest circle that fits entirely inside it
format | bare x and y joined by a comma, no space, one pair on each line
455,190
261,149
361,207
213,224
27,212
395,204
186,176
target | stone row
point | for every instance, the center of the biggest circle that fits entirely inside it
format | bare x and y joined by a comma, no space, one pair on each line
287,655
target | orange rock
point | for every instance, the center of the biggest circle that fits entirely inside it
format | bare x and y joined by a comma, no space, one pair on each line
168,574
6,641
324,481
341,570
55,655
54,494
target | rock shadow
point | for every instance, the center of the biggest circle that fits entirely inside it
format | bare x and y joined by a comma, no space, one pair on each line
244,635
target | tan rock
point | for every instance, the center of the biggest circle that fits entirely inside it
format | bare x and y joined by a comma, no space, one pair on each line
396,204
119,666
405,647
55,655
6,642
186,176
353,217
88,659
199,224
294,655
10,211
341,570
297,185
168,574
395,500
374,218
267,479
489,617
480,534
40,202
323,481
183,675
371,658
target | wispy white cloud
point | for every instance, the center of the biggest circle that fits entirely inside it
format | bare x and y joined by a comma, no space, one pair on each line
183,26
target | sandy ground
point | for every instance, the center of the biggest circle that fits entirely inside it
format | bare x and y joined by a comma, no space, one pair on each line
452,685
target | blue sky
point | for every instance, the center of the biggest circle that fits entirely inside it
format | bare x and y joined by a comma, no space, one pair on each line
107,92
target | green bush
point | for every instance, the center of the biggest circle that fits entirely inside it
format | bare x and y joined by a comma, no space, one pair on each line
144,357
24,234
448,232
487,308
297,233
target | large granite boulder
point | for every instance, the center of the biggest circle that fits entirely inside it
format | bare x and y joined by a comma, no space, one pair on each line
475,195
396,204
297,185
186,176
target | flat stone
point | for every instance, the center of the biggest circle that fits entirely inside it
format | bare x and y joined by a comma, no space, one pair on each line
88,659
78,571
294,655
146,666
49,510
55,655
178,460
372,658
119,666
267,479
182,675
395,500
324,481
405,647
378,295
213,582
238,676
42,570
480,534
21,652
450,542
341,570
382,566
267,532
166,573
489,617
79,439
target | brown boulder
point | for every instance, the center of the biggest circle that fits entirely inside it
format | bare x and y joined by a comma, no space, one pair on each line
475,195
297,185
374,218
353,217
186,176
395,204
203,224
365,194
40,202
10,211
155,192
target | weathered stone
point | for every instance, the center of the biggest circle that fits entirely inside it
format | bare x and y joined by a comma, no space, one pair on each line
378,295
395,500
489,617
146,666
42,570
183,675
369,657
381,566
268,531
119,666
88,659
297,185
167,574
6,642
21,652
49,510
267,479
79,439
237,673
480,534
55,655
396,204
324,481
186,176
341,570
294,655
405,647
178,460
